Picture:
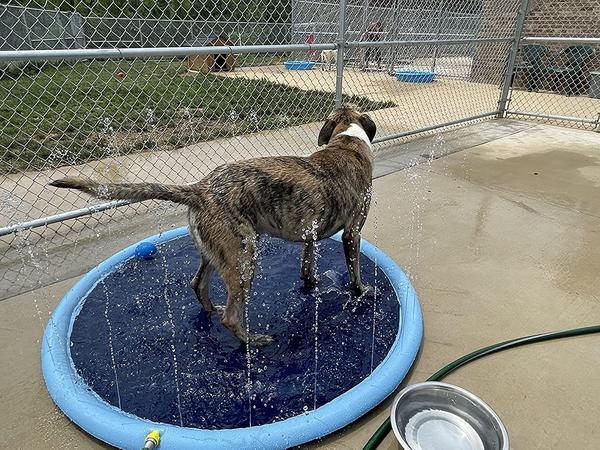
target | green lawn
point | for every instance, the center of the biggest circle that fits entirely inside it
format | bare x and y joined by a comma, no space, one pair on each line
79,112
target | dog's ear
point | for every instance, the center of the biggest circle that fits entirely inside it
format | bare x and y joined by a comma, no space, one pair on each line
326,132
368,125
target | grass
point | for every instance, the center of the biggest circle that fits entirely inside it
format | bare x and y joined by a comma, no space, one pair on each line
15,69
79,112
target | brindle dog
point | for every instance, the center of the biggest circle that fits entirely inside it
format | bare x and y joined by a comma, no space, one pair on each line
296,198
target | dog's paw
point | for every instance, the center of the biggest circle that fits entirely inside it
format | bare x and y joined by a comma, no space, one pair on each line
260,340
359,297
310,282
219,310
358,290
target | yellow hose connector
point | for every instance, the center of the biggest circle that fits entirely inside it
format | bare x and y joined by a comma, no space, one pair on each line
152,440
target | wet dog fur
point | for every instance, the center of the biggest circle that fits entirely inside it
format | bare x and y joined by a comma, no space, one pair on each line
296,198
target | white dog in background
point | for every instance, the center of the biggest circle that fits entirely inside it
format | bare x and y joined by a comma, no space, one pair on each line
328,59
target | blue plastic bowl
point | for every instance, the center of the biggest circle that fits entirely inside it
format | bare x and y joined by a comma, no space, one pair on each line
299,65
415,76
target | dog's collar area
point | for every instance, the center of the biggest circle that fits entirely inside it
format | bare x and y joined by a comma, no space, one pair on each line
356,131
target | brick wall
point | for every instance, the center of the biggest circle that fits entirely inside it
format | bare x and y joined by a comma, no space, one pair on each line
564,18
546,18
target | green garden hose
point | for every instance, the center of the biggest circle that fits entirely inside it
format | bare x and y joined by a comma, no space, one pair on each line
386,426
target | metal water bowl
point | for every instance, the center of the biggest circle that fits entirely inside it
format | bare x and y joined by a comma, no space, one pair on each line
440,416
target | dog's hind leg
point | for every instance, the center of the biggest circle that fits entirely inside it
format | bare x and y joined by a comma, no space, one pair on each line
201,280
200,284
238,274
307,265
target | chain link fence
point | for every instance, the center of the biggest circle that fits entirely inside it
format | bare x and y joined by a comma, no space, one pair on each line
134,93
375,22
27,28
557,74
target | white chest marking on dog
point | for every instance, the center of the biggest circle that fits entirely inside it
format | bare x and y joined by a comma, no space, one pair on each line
355,130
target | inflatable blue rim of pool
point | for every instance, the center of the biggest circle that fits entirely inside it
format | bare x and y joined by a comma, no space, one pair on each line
123,430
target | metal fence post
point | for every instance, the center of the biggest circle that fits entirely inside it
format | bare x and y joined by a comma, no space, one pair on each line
510,66
27,29
139,22
440,21
395,34
61,29
341,43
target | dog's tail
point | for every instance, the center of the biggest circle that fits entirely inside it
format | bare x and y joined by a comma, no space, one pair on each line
185,194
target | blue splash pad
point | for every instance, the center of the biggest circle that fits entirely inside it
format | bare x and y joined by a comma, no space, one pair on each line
211,364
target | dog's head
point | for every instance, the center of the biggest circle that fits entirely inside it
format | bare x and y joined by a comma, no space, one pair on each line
341,119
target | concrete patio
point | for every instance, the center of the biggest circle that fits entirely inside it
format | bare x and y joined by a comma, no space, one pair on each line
498,226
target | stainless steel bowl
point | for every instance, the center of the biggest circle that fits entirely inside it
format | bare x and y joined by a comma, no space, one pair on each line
440,416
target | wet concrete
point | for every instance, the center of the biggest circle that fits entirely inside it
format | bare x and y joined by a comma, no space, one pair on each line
500,240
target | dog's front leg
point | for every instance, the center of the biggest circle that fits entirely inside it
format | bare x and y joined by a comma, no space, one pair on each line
351,241
307,265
